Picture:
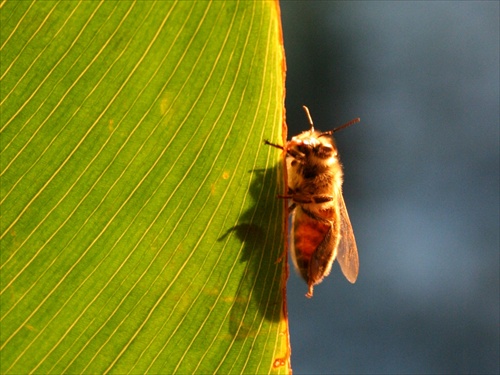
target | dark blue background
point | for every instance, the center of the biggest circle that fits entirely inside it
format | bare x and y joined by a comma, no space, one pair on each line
421,183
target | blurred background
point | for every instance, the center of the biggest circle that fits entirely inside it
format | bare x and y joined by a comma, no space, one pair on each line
421,183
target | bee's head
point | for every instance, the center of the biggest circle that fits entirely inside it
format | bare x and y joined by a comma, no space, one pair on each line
312,144
315,144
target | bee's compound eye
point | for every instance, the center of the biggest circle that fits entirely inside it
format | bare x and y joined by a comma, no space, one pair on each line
326,151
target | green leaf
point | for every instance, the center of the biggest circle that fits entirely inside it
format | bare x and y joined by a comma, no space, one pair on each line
140,229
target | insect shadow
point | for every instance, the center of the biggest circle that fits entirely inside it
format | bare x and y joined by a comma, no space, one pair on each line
257,295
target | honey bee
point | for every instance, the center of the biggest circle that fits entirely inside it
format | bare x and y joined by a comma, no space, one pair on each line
321,230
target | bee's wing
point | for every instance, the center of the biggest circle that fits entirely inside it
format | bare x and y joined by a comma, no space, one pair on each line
347,253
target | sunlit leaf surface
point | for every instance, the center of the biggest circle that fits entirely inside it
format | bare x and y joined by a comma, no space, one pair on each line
139,222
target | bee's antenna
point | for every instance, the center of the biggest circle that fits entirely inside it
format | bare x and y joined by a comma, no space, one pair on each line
352,122
309,117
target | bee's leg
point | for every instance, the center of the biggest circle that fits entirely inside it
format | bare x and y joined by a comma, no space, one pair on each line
301,198
306,198
316,217
287,196
290,195
322,198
